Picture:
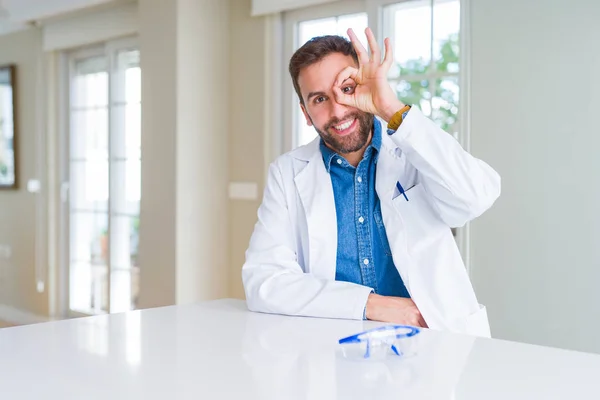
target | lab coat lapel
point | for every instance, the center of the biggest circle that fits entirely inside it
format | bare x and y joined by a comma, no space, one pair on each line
390,168
316,193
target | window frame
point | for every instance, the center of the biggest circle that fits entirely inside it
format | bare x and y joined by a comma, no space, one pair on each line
67,60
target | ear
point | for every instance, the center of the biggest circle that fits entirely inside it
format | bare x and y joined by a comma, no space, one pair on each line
306,116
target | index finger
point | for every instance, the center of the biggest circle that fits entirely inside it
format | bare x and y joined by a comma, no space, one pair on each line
345,74
363,56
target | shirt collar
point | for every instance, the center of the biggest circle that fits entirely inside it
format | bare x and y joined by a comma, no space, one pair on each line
375,146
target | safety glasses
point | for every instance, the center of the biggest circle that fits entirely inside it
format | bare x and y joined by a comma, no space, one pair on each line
397,340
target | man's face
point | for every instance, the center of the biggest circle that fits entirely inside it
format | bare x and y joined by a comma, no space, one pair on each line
343,129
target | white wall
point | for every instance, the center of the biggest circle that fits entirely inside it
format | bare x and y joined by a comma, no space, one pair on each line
18,207
247,97
158,213
535,95
92,26
184,221
202,156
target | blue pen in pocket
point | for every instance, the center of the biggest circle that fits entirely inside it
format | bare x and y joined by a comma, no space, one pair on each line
401,190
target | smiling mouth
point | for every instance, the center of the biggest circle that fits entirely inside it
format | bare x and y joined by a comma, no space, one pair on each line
344,127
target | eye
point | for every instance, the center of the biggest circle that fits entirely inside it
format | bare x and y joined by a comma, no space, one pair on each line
319,99
348,89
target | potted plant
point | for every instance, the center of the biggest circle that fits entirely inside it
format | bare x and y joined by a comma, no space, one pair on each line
104,245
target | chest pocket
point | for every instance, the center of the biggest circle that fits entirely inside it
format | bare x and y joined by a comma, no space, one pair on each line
422,224
381,230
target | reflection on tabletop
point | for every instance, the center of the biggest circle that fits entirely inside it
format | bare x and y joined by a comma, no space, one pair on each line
298,358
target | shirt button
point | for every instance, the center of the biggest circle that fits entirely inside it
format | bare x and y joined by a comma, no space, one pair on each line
361,220
339,160
366,261
359,179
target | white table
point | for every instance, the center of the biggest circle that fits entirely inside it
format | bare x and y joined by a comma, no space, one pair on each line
219,350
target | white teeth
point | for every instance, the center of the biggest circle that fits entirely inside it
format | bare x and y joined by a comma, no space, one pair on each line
343,126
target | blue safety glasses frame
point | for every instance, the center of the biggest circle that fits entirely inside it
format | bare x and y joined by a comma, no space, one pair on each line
378,342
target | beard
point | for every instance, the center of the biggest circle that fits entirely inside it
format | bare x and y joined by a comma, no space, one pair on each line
352,142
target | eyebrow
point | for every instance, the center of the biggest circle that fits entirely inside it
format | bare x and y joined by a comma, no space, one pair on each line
313,94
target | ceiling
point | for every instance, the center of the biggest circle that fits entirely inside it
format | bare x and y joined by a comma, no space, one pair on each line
20,14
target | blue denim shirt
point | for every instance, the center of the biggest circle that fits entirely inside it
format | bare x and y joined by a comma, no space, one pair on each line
363,254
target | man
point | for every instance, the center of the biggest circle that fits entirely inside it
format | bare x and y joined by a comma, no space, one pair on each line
357,223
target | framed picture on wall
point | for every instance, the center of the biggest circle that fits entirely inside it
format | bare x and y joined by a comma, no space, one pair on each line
8,128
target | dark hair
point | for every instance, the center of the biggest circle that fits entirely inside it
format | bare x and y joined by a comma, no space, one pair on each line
314,51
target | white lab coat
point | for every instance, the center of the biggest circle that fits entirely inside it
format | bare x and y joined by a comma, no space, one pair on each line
291,260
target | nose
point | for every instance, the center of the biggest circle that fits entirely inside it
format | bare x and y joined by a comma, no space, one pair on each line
338,110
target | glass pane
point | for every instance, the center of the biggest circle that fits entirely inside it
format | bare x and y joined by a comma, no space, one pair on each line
358,22
408,24
133,85
80,293
445,104
125,240
317,27
305,133
89,247
127,77
89,185
88,288
91,65
446,26
89,237
415,93
128,58
90,83
333,26
124,261
126,186
126,138
124,290
89,133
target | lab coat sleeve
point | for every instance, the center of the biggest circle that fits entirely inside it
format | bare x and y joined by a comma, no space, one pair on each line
460,186
273,280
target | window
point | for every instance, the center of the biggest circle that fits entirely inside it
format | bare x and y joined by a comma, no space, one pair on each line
426,52
104,174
